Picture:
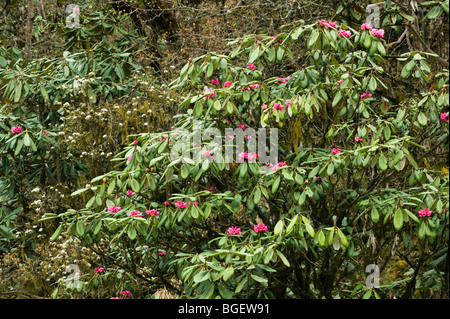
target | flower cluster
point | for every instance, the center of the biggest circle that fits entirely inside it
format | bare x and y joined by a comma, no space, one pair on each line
327,24
424,212
114,209
250,87
227,84
247,156
366,95
99,270
152,212
251,66
135,213
444,117
344,33
130,193
126,293
283,80
207,154
260,228
209,93
379,33
180,204
215,82
358,139
234,231
278,106
16,129
279,164
335,151
366,26
161,253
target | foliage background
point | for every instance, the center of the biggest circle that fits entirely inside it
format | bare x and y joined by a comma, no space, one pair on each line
97,88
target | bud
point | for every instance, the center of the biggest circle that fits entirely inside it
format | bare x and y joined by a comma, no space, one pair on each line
104,180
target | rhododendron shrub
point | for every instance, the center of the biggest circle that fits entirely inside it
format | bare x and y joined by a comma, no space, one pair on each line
356,163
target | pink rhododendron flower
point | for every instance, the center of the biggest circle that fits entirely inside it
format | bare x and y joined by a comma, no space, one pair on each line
193,203
344,33
339,81
358,139
44,134
318,179
215,82
247,156
212,190
254,86
76,9
131,193
129,157
287,102
166,203
242,126
260,228
424,212
264,106
366,26
180,204
230,137
152,212
444,117
335,151
209,93
251,66
207,154
234,231
379,33
326,24
366,95
135,142
161,253
114,209
227,84
16,129
283,80
101,269
135,213
280,164
126,293
278,106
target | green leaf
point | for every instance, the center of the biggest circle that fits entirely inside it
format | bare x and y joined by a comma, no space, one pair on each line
56,233
283,259
254,55
398,219
227,273
131,232
374,214
313,38
342,238
27,139
111,187
330,169
80,228
258,278
321,238
292,224
202,276
134,185
276,184
422,119
382,162
184,171
278,227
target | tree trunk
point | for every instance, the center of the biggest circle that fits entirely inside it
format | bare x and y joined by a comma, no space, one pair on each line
28,34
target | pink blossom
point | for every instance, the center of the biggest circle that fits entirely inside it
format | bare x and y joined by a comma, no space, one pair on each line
135,142
129,157
166,203
327,24
242,126
114,209
339,81
283,80
260,228
247,156
254,86
335,151
234,231
162,253
366,95
379,33
126,293
230,137
76,9
444,117
44,134
264,106
280,164
101,269
116,298
227,84
366,26
251,66
318,179
180,204
193,203
135,213
424,212
152,212
332,24
212,190
207,154
215,82
16,129
287,102
278,106
130,193
209,93
358,139
344,33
